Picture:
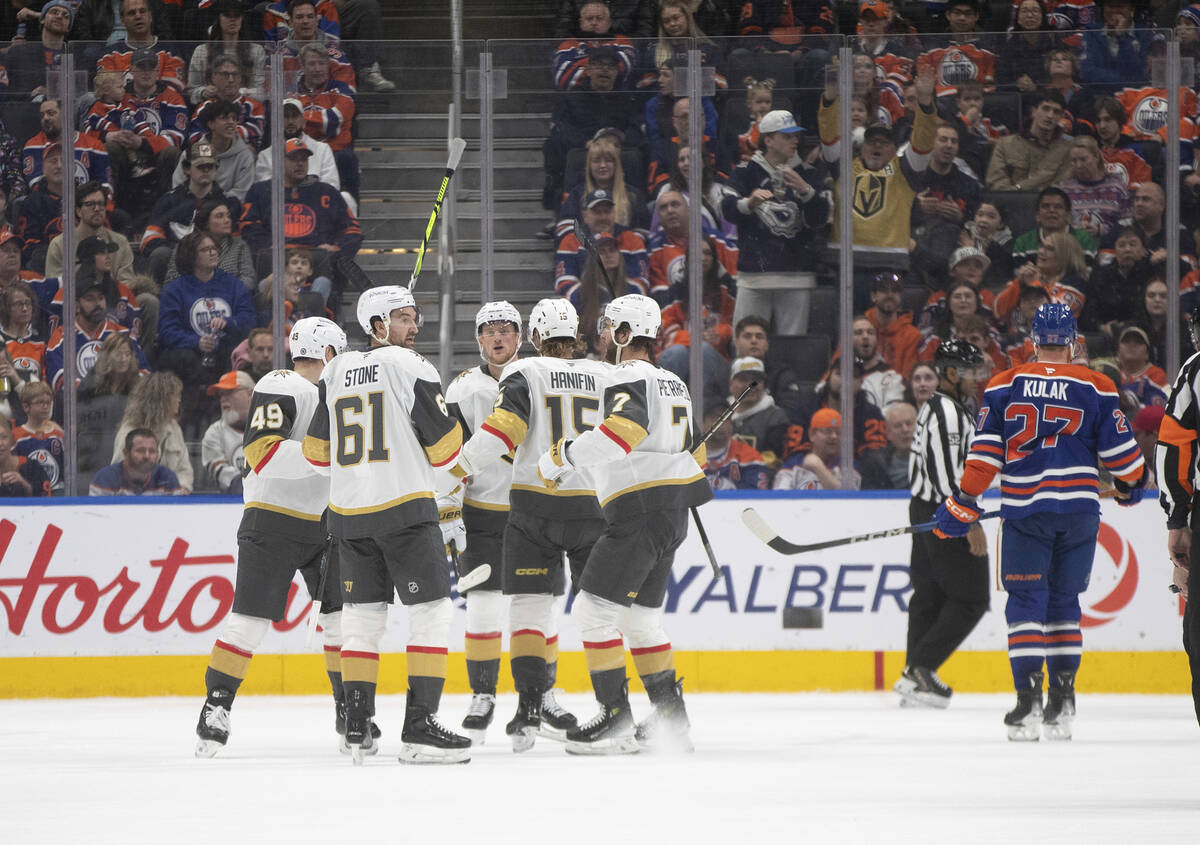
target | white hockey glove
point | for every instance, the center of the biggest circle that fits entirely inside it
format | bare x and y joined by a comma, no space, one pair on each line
555,463
450,519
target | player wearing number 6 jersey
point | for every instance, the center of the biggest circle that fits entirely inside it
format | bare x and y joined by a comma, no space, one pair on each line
540,400
646,479
281,530
1043,426
380,430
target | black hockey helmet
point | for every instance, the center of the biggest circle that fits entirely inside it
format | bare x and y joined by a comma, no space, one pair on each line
958,354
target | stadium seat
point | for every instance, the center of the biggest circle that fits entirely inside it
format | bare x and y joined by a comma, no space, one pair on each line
761,66
1018,208
807,354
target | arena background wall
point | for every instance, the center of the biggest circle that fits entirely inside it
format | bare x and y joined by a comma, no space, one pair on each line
124,598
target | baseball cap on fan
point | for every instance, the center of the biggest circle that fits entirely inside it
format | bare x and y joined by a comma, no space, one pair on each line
779,120
874,10
292,102
747,366
144,57
232,380
296,146
597,197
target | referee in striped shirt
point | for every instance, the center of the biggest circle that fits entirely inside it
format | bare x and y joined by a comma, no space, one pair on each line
949,576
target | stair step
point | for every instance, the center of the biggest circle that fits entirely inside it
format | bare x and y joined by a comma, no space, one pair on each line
434,125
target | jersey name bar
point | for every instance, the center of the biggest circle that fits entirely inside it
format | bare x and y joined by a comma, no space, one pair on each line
362,375
1035,388
572,381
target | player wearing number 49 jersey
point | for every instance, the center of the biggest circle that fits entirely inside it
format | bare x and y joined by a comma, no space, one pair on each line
281,531
646,479
538,400
1043,426
379,431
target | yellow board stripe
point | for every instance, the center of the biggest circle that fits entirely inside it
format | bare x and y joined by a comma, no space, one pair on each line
420,494
315,450
1143,672
446,448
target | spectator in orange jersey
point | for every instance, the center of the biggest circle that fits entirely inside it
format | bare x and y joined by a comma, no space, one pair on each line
717,315
19,477
1059,268
138,18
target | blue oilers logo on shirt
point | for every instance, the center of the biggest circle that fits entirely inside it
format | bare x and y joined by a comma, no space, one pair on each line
85,357
956,67
1150,115
146,117
204,311
676,270
28,368
81,172
298,221
46,461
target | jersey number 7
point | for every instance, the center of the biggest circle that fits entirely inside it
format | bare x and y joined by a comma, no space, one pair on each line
1068,420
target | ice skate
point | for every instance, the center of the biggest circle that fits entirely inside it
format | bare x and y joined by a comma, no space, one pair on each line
1059,712
212,731
359,738
930,690
526,724
1023,721
665,731
339,725
556,720
611,731
428,741
479,715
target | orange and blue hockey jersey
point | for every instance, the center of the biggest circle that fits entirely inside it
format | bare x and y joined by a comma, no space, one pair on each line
43,447
91,160
1043,427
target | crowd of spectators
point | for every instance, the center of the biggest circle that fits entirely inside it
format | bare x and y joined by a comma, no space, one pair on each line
172,214
1004,156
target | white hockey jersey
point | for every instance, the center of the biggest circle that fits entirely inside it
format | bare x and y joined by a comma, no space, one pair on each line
542,400
381,429
284,494
640,454
471,397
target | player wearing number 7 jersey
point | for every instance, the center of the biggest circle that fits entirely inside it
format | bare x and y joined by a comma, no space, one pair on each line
541,400
380,430
1043,426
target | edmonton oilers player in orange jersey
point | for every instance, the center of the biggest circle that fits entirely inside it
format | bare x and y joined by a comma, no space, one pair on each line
1043,426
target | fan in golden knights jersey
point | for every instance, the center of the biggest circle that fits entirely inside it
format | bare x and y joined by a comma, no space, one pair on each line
281,530
470,398
380,431
541,399
949,577
1043,426
646,479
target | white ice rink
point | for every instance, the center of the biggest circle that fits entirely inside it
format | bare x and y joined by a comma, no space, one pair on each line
767,769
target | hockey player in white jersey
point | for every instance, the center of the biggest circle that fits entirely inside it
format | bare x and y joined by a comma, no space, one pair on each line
281,531
381,430
539,400
646,479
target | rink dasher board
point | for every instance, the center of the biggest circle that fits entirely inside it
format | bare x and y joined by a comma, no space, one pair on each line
154,581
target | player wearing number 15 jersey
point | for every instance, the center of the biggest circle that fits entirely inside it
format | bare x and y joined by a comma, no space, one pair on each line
539,399
1043,426
380,430
646,479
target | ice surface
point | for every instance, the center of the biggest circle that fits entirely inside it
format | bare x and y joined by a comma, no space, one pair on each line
768,769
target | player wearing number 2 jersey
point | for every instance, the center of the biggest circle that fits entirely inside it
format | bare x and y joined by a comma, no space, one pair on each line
541,399
646,479
1043,426
380,430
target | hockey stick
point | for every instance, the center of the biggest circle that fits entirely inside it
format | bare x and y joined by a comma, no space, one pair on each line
315,610
473,578
759,528
457,146
585,238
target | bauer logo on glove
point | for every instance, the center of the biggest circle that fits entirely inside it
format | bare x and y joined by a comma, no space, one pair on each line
954,518
555,463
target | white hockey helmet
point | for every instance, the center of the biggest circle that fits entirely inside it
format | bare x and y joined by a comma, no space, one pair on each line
640,312
554,317
380,302
312,335
500,311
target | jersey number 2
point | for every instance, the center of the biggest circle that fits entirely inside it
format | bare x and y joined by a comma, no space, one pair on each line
351,435
1027,414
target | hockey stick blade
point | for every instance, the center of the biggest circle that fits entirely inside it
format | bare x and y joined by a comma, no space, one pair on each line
315,611
474,578
760,529
457,147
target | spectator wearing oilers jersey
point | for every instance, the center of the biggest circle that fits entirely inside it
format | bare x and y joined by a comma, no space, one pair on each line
235,159
780,216
39,438
1039,156
819,467
1114,52
144,133
1140,380
594,30
1133,161
19,334
328,112
39,219
19,477
138,18
28,63
306,19
963,54
317,216
94,262
226,77
669,245
572,256
92,327
203,315
306,32
1043,427
732,464
91,158
1059,268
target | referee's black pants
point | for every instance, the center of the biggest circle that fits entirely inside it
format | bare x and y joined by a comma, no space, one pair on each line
950,592
1191,613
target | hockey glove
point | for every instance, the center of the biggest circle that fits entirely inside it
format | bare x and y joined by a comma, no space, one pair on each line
1129,495
554,464
954,518
450,519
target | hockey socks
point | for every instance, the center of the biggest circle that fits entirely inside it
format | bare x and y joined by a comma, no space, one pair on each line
527,656
1064,648
483,661
227,667
1026,651
333,668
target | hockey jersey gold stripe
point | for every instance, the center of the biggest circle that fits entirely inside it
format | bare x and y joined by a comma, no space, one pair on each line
630,432
257,450
541,488
668,482
307,517
420,494
485,506
446,448
315,450
511,427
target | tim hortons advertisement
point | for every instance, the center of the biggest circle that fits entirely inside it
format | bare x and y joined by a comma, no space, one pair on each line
144,579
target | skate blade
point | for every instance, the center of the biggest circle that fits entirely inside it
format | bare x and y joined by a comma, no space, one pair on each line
932,700
615,745
427,755
346,748
523,739
667,745
1059,731
208,747
477,736
1023,733
552,733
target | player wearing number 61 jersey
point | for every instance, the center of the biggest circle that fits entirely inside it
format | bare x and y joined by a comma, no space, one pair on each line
538,400
379,431
1043,426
